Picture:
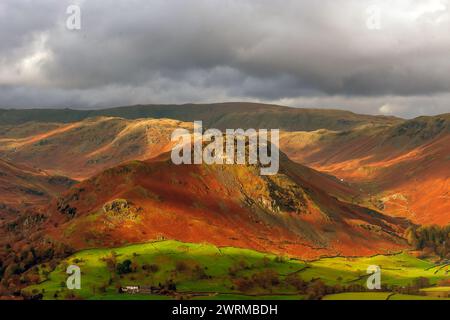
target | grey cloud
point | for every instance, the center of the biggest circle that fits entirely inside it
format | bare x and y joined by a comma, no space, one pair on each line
300,53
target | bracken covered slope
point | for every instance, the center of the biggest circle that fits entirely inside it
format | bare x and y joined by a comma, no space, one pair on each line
24,194
403,170
294,212
82,149
22,187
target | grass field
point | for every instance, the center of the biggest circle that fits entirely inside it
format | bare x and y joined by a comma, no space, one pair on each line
397,269
203,271
437,289
375,296
359,296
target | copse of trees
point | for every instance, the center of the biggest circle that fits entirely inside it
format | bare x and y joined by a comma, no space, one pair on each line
124,267
18,262
430,239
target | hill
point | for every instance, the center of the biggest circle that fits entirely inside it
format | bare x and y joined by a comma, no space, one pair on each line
24,194
230,115
82,149
399,167
296,211
22,187
402,169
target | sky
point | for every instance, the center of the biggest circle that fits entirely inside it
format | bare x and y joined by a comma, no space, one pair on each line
369,56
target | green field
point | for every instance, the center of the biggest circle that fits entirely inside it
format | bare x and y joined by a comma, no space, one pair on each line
203,271
375,296
397,269
437,289
359,296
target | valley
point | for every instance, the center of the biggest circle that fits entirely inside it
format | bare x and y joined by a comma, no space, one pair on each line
351,189
204,271
401,170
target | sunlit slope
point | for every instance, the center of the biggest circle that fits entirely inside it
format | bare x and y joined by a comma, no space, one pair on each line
403,170
291,212
84,148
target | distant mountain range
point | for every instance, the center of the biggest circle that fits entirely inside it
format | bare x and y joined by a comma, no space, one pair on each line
218,115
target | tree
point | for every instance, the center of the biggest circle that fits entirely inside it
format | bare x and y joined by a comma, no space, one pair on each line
411,236
124,267
316,290
421,282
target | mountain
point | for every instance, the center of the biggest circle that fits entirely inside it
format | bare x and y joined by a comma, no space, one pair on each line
21,186
297,211
230,115
398,167
24,194
349,185
82,149
402,169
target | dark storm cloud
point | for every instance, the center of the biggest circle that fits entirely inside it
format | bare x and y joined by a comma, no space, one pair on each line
301,53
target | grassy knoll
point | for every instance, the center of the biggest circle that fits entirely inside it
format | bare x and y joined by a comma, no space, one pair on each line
203,271
398,269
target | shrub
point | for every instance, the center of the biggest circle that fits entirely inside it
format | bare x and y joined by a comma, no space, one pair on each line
181,266
124,267
239,266
298,283
316,290
153,268
444,283
244,284
421,282
102,288
199,273
266,279
279,259
111,261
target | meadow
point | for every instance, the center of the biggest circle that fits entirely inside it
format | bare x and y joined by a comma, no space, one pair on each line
204,271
